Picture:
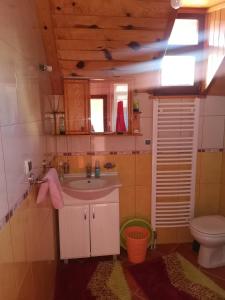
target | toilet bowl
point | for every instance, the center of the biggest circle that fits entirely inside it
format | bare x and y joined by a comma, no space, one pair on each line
209,231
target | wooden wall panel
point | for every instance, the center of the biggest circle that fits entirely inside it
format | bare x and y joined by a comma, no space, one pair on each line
216,44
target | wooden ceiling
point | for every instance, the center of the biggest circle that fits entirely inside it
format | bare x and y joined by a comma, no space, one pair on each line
98,39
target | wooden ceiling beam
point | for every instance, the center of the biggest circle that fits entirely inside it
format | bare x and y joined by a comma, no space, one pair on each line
109,68
96,45
98,22
119,8
47,30
105,55
108,34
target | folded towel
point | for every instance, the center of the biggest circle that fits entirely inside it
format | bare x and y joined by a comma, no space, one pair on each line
52,187
120,122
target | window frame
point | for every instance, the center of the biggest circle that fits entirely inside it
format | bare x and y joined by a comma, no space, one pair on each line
185,50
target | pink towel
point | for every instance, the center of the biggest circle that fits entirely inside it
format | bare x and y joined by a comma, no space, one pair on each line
120,123
53,187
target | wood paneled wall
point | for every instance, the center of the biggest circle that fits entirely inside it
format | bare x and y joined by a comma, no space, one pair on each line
215,29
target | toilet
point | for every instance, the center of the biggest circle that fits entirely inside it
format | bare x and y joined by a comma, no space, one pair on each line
209,232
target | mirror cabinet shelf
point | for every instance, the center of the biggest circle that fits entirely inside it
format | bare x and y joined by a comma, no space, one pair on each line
94,107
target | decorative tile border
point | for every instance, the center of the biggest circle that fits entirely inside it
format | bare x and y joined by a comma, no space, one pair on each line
211,150
104,153
11,212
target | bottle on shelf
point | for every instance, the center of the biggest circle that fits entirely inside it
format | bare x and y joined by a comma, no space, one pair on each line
97,169
62,125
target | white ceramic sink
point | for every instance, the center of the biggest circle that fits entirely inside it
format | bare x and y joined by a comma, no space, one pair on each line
87,184
83,188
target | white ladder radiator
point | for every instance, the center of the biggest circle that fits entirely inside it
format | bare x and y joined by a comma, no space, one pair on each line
174,153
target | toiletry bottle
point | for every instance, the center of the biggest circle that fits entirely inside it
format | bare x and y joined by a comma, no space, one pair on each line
61,125
66,167
97,169
61,171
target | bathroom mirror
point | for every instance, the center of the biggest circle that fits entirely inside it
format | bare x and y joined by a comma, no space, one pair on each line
109,101
94,107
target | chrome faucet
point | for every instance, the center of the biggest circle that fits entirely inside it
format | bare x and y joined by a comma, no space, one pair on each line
88,170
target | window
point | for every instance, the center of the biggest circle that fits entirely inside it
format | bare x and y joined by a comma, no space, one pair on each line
98,110
180,65
120,94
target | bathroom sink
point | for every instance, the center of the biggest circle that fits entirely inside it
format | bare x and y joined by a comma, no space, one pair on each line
82,188
87,184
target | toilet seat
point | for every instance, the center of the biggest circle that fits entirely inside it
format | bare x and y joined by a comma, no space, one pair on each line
209,225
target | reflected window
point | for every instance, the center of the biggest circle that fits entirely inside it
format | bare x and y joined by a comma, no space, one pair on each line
120,94
98,110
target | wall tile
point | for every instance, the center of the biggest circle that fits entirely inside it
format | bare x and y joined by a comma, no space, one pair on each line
213,132
146,131
127,203
80,144
50,144
214,105
3,192
200,132
78,163
8,103
143,202
112,143
209,199
143,171
210,169
126,169
61,144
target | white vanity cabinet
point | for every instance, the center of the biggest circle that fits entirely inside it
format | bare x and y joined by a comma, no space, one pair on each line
89,228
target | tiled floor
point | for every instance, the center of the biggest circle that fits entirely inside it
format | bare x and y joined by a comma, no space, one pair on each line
217,275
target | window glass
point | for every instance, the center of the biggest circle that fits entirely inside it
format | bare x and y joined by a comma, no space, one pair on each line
178,71
97,115
185,32
120,94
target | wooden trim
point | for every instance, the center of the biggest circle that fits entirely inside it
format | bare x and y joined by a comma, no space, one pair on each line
216,7
192,10
193,96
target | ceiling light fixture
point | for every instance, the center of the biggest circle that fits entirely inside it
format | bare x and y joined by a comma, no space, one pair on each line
176,4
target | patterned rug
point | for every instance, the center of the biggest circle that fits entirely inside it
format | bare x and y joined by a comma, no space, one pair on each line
170,277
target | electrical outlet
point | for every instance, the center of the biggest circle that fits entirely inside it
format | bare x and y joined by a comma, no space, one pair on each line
27,166
147,142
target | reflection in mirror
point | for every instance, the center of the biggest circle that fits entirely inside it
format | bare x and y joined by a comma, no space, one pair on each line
98,111
120,94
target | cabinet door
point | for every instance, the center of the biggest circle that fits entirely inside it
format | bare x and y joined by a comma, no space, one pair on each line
74,231
104,227
76,106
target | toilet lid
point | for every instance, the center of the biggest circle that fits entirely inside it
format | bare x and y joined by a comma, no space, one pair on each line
209,224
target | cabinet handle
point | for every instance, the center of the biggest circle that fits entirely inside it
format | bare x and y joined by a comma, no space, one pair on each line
85,215
93,213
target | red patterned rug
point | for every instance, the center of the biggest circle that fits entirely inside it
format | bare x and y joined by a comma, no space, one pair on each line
170,277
